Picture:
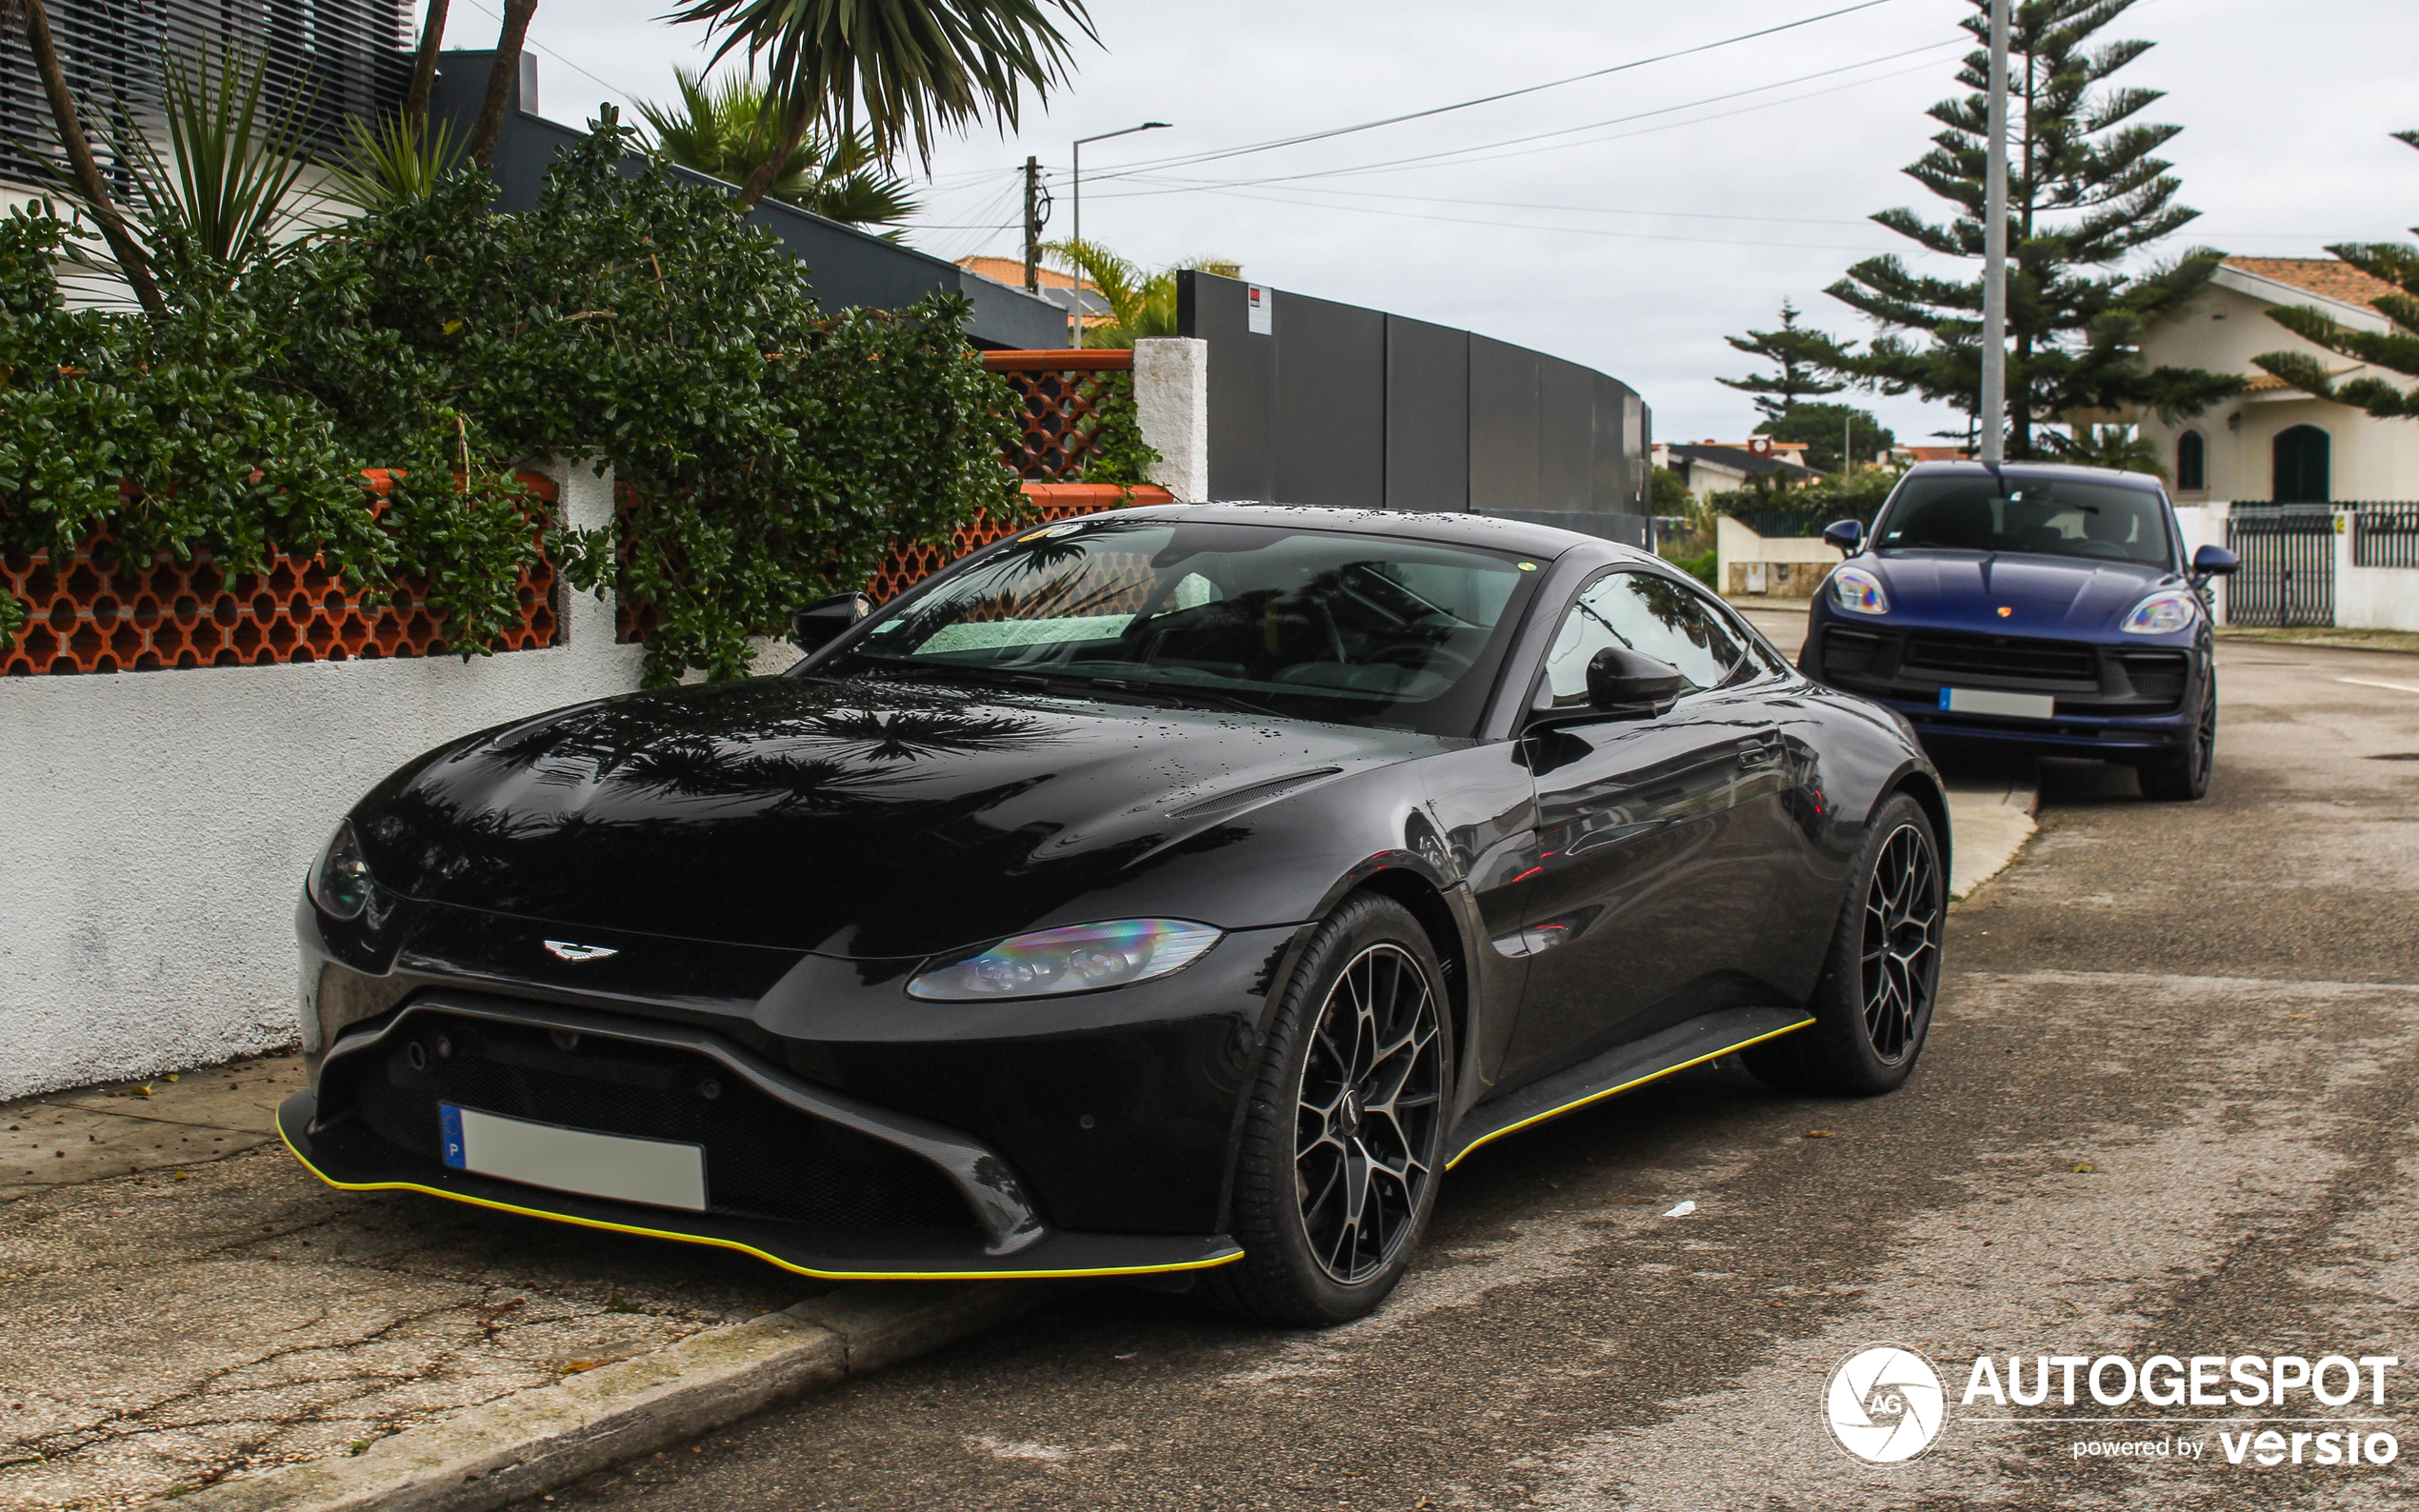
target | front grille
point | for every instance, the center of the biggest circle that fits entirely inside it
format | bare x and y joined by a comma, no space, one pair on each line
764,1159
2003,656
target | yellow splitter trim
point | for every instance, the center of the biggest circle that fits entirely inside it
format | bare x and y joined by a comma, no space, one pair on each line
1616,1091
745,1249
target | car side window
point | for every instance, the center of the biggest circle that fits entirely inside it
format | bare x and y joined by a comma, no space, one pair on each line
1647,613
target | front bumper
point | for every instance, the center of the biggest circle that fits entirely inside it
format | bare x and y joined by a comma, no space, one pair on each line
2122,702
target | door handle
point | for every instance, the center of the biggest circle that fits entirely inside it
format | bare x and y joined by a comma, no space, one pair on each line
1760,750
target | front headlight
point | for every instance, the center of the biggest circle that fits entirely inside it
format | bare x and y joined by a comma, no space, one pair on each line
1858,592
340,883
1079,958
2162,613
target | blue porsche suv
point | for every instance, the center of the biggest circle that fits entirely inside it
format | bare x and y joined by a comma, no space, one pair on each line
2030,606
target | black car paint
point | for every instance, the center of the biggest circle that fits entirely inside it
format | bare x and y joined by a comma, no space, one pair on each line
773,859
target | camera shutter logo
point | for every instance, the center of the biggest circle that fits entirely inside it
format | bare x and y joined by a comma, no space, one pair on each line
1886,1404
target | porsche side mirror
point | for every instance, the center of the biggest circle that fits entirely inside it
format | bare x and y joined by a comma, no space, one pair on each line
820,623
2214,562
1623,682
1846,535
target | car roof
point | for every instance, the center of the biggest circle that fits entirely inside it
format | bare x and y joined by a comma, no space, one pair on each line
2045,471
1544,542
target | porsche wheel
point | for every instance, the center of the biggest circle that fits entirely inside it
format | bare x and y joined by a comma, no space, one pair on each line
2187,778
1872,1007
1343,1141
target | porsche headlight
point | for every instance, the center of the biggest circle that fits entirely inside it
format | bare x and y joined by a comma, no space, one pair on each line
1079,958
1858,592
340,883
2162,613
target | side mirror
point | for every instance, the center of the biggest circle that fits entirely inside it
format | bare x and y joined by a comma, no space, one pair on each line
1624,682
1846,535
2214,562
820,623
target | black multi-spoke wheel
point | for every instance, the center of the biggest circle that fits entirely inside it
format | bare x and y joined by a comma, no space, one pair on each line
2186,777
1373,1090
1902,942
1872,1006
1343,1137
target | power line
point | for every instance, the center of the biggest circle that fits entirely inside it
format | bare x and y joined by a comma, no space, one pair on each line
1190,159
628,95
1465,153
1575,231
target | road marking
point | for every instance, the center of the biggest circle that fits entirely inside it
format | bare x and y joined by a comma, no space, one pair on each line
2371,682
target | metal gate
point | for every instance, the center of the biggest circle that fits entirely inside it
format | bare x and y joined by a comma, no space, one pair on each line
2287,576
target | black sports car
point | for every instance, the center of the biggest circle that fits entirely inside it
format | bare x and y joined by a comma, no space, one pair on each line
1172,889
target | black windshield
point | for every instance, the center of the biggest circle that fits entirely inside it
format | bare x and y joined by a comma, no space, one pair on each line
2037,516
1321,625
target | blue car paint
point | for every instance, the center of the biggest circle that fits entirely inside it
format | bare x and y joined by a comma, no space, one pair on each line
2013,595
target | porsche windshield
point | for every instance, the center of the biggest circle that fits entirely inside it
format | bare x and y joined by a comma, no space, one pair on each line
2037,516
1321,625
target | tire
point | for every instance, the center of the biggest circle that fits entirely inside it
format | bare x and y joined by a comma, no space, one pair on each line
1872,1006
1328,1118
2187,778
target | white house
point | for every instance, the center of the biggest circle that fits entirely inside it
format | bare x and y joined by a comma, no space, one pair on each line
2276,443
1713,467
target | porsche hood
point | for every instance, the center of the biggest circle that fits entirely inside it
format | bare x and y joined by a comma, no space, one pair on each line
2044,595
864,820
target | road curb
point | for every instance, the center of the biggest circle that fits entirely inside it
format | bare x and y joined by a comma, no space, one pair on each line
1989,827
539,1440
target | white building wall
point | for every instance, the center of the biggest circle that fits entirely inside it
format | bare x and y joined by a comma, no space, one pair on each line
156,827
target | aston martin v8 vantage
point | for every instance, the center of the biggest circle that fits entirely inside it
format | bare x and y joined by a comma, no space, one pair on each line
1172,889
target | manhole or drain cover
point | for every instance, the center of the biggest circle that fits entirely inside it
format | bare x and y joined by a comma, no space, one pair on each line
2397,756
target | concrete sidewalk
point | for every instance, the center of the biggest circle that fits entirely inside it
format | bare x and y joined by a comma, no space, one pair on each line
184,1304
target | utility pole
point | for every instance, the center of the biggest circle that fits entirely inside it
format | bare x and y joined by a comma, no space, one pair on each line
1993,412
1035,213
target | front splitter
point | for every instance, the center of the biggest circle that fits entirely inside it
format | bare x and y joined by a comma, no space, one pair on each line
865,1255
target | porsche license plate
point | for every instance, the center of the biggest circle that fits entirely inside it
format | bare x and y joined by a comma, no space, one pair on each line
2007,705
661,1173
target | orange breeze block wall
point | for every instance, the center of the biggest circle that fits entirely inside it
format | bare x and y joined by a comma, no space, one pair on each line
81,616
1052,384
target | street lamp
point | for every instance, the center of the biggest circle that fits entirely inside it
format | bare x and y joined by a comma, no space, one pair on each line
1075,294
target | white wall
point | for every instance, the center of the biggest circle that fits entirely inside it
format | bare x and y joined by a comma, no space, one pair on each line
156,826
2370,598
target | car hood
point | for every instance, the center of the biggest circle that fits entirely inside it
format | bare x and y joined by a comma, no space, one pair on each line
863,819
2042,595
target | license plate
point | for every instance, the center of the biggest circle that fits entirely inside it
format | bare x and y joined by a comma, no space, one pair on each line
2008,706
661,1173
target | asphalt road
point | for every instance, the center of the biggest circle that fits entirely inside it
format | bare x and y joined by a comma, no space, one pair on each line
2170,1090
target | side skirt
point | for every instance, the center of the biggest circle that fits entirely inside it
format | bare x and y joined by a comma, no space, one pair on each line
1617,1070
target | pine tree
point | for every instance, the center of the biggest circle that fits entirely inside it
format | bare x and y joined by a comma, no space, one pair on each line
2395,351
2086,191
1802,355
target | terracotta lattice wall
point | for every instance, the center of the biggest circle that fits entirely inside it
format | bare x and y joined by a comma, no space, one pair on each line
84,615
1055,386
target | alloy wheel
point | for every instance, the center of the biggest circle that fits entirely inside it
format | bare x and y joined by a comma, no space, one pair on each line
1902,942
1367,1117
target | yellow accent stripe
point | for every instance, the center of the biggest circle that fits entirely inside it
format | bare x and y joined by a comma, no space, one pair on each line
1612,1091
746,1250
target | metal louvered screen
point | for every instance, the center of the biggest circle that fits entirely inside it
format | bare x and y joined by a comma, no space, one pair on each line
351,57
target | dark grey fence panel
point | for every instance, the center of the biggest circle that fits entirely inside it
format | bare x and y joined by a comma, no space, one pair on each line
1243,370
1427,416
849,268
1617,481
2287,576
1566,435
1503,418
1330,417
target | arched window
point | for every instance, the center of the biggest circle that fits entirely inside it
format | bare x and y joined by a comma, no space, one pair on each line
2192,463
2301,465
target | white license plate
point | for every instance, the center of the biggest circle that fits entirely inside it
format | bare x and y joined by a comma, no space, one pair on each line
2008,706
660,1173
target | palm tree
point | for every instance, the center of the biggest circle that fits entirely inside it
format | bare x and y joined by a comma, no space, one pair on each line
726,129
1140,303
82,171
501,73
424,67
2120,446
904,69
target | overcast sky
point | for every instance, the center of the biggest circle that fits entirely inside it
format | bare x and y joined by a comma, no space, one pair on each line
1633,247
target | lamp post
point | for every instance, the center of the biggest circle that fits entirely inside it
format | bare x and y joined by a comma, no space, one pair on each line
1992,412
1075,294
